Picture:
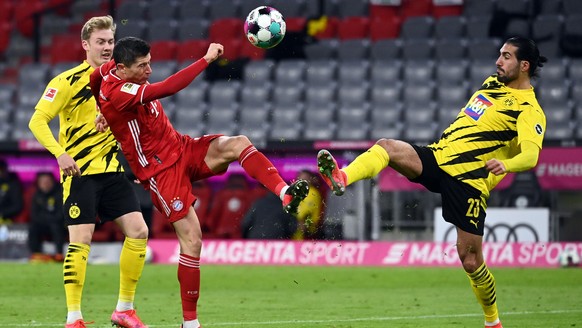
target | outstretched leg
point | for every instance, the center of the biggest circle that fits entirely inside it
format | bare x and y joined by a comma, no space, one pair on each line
397,154
225,150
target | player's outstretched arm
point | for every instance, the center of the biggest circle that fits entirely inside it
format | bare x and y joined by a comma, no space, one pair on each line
182,78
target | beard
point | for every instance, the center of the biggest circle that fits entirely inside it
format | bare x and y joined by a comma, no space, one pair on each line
506,78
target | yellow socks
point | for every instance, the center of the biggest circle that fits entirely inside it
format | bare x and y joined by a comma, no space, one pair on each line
483,284
367,165
74,269
131,262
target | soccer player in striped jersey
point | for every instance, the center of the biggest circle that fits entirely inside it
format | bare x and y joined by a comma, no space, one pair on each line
165,161
499,130
93,180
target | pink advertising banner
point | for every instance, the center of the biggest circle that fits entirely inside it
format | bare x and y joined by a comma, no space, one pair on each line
27,167
346,253
557,169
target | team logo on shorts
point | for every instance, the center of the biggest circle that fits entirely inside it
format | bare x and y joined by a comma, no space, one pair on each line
74,211
177,205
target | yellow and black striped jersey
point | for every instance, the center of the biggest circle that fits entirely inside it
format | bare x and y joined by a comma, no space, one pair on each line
491,125
69,96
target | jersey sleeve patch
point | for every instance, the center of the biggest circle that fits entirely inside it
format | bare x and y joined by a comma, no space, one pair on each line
130,88
539,129
50,94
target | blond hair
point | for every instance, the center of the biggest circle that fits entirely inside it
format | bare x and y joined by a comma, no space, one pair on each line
97,23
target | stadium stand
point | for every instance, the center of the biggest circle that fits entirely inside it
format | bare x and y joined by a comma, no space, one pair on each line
356,75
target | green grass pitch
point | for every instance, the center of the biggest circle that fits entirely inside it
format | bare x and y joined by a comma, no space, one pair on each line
335,297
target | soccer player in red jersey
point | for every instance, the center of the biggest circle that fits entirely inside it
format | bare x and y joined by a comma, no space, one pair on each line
165,161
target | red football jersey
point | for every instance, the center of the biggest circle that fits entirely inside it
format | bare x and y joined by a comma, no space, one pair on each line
137,119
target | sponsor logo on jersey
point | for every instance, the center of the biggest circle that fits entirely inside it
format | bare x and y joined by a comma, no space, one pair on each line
130,88
539,129
476,107
50,94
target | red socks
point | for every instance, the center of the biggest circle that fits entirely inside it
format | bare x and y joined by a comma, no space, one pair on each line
261,169
189,278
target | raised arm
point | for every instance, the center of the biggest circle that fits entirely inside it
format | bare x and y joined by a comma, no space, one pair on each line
182,78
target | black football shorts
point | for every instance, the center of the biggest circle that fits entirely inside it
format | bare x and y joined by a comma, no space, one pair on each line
105,195
463,205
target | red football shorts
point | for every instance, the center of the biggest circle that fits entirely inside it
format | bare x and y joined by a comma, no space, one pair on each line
171,189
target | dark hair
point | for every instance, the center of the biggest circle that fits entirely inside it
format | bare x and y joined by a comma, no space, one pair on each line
528,50
40,174
127,50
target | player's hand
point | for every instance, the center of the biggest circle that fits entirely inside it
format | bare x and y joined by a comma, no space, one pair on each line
495,166
68,165
215,50
101,123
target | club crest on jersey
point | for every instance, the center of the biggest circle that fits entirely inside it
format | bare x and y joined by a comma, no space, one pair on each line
50,94
476,107
177,204
130,88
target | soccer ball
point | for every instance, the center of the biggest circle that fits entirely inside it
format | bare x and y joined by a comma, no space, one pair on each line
265,27
569,257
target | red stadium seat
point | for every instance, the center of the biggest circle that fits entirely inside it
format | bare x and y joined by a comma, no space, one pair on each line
164,50
161,228
5,29
355,27
383,12
23,15
62,7
6,11
410,8
231,48
388,28
328,29
225,28
191,50
229,207
27,195
203,193
66,48
440,11
247,50
104,232
295,24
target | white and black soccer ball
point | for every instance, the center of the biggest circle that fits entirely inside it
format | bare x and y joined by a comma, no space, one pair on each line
569,257
265,27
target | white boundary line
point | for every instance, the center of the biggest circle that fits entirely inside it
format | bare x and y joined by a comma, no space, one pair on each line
294,322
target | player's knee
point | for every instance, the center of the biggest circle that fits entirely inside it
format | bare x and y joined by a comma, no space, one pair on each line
470,263
194,247
141,232
242,140
388,144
